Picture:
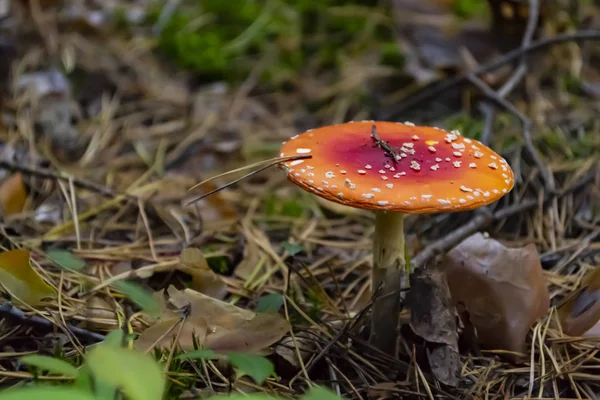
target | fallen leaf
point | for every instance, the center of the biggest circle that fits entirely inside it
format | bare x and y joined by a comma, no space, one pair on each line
18,278
251,259
580,311
289,349
204,280
99,314
502,289
13,194
432,318
203,354
217,325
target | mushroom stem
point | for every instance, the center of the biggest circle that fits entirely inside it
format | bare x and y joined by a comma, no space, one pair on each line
389,271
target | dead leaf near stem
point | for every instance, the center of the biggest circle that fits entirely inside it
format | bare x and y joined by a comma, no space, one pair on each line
502,289
18,279
432,317
579,313
215,324
204,279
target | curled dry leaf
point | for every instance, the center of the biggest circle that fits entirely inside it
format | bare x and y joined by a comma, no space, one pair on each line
18,278
13,194
502,289
303,346
580,312
432,318
204,280
99,314
217,325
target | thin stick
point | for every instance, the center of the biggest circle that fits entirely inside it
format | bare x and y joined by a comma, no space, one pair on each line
385,146
11,311
444,85
278,160
271,161
48,174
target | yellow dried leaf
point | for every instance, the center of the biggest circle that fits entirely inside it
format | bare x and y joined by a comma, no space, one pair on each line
18,278
13,194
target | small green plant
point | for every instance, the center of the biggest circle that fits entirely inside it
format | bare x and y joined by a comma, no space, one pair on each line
112,372
108,368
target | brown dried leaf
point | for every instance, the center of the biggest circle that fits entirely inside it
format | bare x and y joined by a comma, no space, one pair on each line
432,318
216,324
580,312
204,280
252,254
502,289
99,314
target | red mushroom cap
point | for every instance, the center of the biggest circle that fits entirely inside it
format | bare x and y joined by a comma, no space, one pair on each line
415,170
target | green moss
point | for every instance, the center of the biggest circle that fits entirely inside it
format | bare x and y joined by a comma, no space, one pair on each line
391,54
287,208
223,40
468,8
466,125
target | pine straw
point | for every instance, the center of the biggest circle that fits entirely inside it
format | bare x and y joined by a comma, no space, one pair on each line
152,138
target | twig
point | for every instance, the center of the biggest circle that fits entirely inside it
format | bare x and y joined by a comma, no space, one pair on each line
8,310
518,74
444,85
347,328
272,162
482,220
48,174
526,122
385,146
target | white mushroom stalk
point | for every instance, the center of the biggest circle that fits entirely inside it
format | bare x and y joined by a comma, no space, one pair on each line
390,276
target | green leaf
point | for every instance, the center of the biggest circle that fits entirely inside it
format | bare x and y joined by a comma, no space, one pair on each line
139,296
137,375
83,381
204,354
114,338
271,302
293,248
237,396
101,390
257,367
51,364
65,259
320,393
46,393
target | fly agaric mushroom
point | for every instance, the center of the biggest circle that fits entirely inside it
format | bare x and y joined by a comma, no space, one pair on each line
395,169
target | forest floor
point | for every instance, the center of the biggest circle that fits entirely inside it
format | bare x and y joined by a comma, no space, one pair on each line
110,115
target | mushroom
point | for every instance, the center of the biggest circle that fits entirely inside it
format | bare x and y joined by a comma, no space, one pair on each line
395,169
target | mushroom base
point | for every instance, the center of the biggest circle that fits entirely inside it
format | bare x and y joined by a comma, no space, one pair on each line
391,272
